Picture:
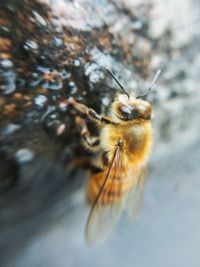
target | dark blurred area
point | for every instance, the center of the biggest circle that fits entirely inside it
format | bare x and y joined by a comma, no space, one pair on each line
53,50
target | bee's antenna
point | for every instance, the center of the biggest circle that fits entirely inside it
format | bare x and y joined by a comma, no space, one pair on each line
113,76
151,85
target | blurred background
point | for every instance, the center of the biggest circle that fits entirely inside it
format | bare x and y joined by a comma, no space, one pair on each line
52,50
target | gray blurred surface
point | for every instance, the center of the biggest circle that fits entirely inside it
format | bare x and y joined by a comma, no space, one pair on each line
167,232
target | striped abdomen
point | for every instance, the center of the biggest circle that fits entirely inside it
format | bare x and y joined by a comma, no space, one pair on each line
116,187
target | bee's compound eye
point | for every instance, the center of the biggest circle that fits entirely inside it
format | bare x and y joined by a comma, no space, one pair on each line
125,110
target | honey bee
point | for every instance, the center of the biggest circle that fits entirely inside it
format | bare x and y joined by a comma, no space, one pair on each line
124,142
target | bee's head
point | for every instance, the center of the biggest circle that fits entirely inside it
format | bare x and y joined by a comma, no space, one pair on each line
126,108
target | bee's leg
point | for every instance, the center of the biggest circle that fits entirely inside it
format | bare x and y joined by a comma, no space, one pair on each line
91,113
91,142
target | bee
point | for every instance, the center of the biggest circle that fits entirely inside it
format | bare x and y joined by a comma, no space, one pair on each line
124,143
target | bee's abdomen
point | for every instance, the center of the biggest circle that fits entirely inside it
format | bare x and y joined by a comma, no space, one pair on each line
114,190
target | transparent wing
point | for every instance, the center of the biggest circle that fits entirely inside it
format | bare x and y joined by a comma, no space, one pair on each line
135,196
109,203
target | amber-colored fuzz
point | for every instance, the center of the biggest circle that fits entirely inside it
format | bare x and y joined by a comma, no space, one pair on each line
136,139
